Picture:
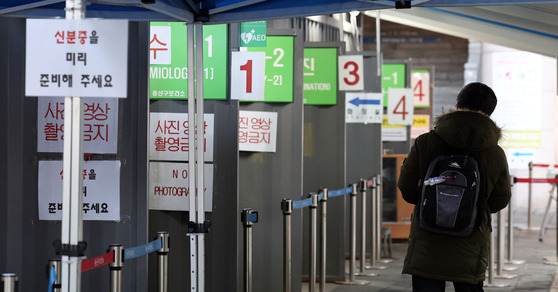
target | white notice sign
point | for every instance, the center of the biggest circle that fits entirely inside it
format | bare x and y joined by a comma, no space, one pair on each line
400,109
247,75
85,57
363,107
101,190
169,189
100,125
257,131
168,136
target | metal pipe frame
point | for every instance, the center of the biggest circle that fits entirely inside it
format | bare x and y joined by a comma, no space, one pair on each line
323,240
287,208
163,261
313,241
116,267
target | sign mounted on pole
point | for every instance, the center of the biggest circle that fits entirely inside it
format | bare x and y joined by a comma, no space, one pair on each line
400,106
168,70
246,69
101,190
82,57
420,83
363,108
253,34
257,131
279,68
320,76
350,73
100,125
169,187
393,76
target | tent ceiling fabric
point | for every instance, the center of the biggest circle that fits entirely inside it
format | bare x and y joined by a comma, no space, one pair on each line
221,11
521,24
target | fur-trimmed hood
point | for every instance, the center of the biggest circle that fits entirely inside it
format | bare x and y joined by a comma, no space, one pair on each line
455,126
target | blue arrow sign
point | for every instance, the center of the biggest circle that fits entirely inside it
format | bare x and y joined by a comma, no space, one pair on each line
517,154
357,101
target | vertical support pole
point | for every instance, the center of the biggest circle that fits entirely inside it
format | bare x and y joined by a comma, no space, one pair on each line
313,240
200,207
490,278
248,218
553,260
72,198
287,208
57,265
116,268
373,226
379,215
192,161
323,241
9,282
163,261
530,197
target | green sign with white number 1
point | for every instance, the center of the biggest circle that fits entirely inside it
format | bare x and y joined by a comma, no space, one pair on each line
393,76
320,76
168,70
279,64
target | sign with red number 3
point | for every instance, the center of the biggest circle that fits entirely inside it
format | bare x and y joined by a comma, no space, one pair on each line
400,106
247,75
350,73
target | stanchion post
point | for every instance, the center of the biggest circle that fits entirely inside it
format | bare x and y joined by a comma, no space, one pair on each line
374,232
313,240
116,267
500,248
510,259
529,197
323,240
362,189
491,283
287,208
378,217
553,260
163,261
9,282
56,264
248,218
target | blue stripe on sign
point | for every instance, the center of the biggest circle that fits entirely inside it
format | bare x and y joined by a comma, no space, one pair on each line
142,250
302,203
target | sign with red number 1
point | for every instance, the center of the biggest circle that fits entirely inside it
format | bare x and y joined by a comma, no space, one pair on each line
350,73
247,75
400,106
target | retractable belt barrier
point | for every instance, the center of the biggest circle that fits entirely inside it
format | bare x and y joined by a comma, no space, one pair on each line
114,258
288,205
531,165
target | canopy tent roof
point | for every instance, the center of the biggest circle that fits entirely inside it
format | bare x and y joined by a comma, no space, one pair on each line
221,11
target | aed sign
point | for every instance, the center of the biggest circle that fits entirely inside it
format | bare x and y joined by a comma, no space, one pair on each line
169,189
320,76
85,57
253,34
101,190
168,59
168,136
350,73
100,125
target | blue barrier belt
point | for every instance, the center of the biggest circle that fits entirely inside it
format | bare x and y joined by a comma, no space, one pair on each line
138,251
302,203
340,192
320,196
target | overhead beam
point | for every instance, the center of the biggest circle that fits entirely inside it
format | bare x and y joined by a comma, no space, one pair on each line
450,24
29,6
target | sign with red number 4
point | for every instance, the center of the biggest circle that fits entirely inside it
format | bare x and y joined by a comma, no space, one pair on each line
350,73
400,106
247,75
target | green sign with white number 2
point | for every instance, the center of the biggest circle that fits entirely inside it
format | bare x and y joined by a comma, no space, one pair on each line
279,64
168,70
320,76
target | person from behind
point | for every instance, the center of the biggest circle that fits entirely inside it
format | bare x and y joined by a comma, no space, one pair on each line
460,257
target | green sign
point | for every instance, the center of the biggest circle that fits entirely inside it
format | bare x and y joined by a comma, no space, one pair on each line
320,76
253,34
393,76
279,64
168,70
